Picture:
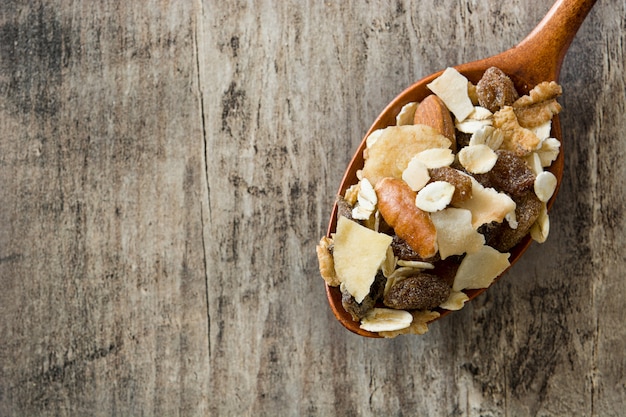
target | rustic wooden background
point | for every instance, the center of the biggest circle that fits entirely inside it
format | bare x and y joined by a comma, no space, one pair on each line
166,169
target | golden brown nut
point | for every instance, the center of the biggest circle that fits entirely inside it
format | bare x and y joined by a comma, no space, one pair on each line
396,203
434,113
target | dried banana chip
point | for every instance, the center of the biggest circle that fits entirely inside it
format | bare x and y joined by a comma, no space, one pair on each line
436,157
386,320
479,269
358,254
455,301
455,234
406,115
451,88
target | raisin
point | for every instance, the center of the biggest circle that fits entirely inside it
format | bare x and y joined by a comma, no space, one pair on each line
359,310
418,292
462,139
511,174
495,90
403,251
501,237
462,183
446,269
344,208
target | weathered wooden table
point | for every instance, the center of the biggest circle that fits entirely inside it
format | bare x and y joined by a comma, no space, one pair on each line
166,169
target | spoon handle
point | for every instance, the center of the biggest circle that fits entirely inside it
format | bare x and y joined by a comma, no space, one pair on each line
539,56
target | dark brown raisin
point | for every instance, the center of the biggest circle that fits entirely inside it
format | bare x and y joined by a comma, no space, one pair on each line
403,251
446,269
511,174
462,139
501,236
344,208
495,90
462,183
419,292
359,310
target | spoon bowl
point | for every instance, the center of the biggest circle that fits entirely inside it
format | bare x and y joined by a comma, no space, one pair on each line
536,59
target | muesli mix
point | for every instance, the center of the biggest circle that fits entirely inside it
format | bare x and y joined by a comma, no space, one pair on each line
441,199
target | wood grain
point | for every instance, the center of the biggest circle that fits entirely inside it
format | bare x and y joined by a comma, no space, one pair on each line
168,167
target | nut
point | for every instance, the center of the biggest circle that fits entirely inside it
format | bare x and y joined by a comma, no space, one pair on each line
326,262
518,139
396,203
433,112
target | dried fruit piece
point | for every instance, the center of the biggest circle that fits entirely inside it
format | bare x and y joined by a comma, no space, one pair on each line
479,269
344,208
396,203
433,112
418,326
451,88
495,90
403,251
358,253
435,157
462,182
359,310
406,115
455,234
487,205
540,229
455,301
418,292
385,320
503,237
394,147
511,174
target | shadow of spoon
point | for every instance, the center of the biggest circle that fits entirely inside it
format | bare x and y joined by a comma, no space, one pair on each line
536,59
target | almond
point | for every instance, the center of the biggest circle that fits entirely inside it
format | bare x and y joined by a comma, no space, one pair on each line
433,112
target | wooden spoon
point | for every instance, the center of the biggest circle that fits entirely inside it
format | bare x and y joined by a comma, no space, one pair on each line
537,58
